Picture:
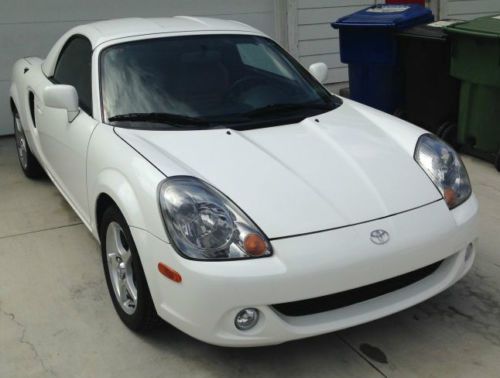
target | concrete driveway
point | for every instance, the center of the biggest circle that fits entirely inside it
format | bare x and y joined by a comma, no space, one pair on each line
57,320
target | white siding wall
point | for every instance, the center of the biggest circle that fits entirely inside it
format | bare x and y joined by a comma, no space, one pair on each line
312,39
30,27
469,9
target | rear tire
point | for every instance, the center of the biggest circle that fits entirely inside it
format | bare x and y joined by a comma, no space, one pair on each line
125,277
497,161
29,164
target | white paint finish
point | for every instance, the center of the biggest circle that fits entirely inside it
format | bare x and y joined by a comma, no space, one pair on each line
101,33
366,157
319,71
352,169
75,329
303,268
62,97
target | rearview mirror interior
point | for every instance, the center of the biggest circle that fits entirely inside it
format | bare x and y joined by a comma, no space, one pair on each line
319,71
62,96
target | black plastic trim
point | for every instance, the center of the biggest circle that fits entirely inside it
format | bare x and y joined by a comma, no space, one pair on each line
355,296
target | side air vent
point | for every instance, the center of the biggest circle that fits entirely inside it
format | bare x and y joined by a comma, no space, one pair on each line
31,100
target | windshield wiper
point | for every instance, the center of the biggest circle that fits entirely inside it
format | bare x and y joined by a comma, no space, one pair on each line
168,118
285,107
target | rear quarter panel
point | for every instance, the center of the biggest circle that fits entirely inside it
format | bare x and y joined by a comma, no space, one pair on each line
27,76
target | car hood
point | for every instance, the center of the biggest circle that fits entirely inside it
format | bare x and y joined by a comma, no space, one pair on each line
351,165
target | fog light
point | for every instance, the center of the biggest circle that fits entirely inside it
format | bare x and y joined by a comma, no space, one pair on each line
246,319
468,251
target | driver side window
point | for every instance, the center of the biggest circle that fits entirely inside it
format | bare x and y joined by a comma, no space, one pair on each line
74,67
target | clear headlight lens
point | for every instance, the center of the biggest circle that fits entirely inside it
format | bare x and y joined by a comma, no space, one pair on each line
204,224
445,168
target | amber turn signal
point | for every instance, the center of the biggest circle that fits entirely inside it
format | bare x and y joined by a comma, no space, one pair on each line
169,272
449,196
254,245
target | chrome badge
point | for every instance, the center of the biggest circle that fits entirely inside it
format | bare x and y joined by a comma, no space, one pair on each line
379,237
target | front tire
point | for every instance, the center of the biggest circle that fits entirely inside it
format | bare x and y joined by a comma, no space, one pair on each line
30,166
125,277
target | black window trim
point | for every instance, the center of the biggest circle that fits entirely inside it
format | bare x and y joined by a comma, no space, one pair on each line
87,108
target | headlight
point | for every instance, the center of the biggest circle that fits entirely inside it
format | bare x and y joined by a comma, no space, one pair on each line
445,168
204,224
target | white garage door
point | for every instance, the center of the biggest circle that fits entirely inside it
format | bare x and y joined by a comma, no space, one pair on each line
29,27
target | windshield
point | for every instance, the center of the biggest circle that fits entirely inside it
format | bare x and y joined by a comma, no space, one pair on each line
206,81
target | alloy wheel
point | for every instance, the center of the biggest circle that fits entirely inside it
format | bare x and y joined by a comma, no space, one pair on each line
120,267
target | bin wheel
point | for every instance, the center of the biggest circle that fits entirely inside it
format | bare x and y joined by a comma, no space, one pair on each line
497,161
448,132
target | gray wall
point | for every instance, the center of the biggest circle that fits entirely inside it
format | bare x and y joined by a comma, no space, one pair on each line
30,27
469,9
315,40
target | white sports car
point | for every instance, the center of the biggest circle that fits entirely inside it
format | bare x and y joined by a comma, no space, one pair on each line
232,195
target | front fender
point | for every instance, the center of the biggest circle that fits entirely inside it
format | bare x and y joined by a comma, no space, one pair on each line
114,184
117,170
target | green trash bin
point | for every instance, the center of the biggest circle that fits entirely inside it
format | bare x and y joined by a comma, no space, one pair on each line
475,60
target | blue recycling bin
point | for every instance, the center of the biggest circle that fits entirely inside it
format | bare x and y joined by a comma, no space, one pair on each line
368,44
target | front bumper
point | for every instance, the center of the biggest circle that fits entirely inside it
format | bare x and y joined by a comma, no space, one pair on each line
205,304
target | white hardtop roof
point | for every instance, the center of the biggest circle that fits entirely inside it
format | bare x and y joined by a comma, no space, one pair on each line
104,31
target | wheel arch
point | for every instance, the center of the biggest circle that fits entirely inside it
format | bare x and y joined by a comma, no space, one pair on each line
13,106
113,189
103,202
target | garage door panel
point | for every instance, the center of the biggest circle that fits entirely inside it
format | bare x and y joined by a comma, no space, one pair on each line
5,116
15,11
22,40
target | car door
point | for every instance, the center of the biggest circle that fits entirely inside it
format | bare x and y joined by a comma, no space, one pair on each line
64,144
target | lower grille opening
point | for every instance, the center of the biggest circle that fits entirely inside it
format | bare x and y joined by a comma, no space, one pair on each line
353,296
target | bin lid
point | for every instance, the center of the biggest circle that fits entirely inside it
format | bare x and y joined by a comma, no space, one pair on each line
488,26
395,16
433,30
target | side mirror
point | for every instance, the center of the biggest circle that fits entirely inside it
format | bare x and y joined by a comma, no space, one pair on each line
62,97
319,71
